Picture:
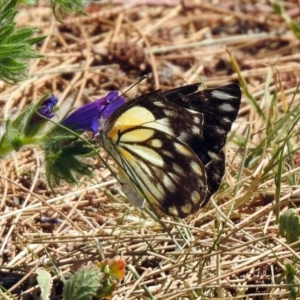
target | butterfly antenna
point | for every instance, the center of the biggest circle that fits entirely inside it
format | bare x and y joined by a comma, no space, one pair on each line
136,83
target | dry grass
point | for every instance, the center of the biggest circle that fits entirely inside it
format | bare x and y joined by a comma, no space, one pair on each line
232,247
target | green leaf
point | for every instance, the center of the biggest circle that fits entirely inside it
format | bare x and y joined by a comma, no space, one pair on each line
295,27
28,2
59,7
19,132
290,275
45,281
13,136
21,34
62,162
11,65
7,12
11,50
35,41
16,44
289,226
278,8
5,31
83,285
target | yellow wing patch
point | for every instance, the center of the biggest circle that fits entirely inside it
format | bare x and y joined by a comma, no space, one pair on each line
134,116
137,135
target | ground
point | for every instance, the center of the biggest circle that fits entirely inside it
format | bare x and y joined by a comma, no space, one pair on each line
232,247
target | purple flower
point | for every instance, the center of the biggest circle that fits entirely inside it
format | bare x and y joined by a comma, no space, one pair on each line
45,108
88,117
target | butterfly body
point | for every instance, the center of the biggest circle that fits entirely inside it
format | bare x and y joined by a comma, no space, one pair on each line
169,145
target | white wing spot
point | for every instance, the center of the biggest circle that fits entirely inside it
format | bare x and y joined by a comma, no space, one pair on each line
187,208
168,183
182,149
216,147
222,95
220,131
167,153
169,113
148,154
174,177
192,111
156,143
159,104
195,197
197,120
226,120
213,155
177,168
196,130
202,184
161,124
226,107
196,168
173,211
183,136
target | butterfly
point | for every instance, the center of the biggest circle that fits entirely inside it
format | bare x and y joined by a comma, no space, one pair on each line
169,145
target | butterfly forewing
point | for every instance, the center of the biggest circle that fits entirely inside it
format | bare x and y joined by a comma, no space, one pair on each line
155,160
169,145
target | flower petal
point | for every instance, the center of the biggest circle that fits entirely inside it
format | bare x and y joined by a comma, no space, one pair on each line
87,117
45,108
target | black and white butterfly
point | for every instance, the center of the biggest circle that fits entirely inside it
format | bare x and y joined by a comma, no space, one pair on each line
169,145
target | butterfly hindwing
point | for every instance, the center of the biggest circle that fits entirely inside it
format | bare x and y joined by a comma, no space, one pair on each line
152,156
169,145
219,107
